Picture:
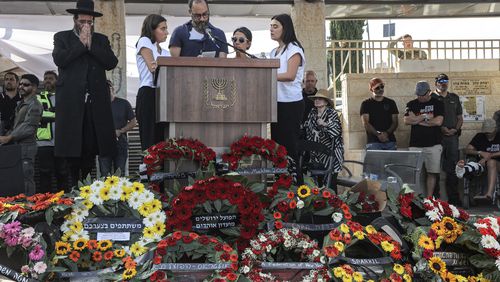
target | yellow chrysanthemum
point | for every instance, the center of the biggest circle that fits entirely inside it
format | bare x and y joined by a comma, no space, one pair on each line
159,228
339,246
76,226
370,229
119,253
347,278
155,205
104,193
126,191
88,204
360,235
398,268
358,277
303,191
104,245
57,196
137,249
338,272
437,265
62,248
85,192
436,226
80,244
450,237
344,228
148,232
129,273
65,237
112,180
426,242
407,277
145,209
386,246
137,187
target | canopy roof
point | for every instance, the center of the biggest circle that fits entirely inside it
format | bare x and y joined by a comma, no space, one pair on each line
335,9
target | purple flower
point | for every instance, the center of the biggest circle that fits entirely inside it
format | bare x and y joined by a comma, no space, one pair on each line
37,253
40,267
25,269
11,241
13,228
25,241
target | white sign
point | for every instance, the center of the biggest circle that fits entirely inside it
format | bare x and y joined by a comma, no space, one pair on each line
473,107
113,236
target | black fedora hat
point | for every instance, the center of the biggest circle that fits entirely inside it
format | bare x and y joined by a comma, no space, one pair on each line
85,7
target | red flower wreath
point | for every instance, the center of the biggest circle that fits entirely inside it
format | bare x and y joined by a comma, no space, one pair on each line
174,149
212,189
180,244
247,146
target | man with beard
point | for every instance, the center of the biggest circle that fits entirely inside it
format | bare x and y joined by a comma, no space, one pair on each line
452,124
191,38
379,116
309,89
27,118
8,101
84,120
48,164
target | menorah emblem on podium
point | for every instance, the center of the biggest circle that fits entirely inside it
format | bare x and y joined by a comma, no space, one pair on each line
219,84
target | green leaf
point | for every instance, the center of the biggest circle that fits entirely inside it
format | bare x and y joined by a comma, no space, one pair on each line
493,275
469,235
231,231
56,268
49,216
326,211
257,187
482,261
146,274
392,195
353,198
208,208
218,205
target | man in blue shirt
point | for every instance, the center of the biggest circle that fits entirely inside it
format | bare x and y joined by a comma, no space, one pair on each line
191,38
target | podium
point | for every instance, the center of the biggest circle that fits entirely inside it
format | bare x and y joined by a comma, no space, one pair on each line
216,100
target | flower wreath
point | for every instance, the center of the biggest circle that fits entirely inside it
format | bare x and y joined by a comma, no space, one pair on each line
175,149
348,233
489,228
109,196
180,244
319,201
266,244
224,196
445,230
28,205
436,209
14,236
399,272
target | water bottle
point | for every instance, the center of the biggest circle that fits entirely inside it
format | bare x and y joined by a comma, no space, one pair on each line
263,55
392,183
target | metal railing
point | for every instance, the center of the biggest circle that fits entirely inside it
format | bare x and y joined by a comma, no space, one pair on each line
361,56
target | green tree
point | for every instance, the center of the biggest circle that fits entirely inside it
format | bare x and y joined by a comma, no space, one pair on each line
346,30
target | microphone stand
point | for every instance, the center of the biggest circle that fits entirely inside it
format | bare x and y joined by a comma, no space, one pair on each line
235,48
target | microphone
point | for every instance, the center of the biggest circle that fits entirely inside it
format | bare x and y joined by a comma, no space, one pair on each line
208,31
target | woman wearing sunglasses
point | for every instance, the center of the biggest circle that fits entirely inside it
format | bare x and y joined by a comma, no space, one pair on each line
242,39
290,74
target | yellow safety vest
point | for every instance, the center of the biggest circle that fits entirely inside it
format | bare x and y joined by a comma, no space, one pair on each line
44,132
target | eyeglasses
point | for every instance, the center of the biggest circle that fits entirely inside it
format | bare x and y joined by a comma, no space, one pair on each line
240,39
380,87
89,22
199,16
25,84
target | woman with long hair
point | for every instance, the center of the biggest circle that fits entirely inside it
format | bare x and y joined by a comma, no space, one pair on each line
242,39
290,74
153,32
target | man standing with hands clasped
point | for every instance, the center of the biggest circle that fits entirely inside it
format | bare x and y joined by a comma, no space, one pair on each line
83,114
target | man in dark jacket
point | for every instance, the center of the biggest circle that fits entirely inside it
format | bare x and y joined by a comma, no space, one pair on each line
83,115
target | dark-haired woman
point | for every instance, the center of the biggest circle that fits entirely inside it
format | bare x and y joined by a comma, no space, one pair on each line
242,39
153,32
290,103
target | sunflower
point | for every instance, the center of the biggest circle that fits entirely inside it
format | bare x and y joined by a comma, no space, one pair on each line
104,245
450,237
80,244
119,253
437,265
398,268
426,243
104,193
448,277
129,273
303,191
436,226
449,225
62,248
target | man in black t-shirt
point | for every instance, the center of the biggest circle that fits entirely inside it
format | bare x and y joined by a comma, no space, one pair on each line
486,146
379,115
425,115
8,101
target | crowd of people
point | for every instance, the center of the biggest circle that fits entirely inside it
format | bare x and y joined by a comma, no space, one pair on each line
85,119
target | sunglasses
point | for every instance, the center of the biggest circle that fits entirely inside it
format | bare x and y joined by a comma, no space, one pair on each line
26,84
442,81
240,39
380,87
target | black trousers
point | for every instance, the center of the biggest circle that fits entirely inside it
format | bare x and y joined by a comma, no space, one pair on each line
286,131
49,166
150,132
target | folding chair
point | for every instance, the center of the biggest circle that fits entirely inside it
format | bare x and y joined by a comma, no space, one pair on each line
316,170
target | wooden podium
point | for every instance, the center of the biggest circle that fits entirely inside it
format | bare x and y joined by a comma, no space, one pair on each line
216,100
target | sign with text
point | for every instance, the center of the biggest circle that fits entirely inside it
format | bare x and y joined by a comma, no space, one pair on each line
113,228
467,87
473,107
215,221
291,265
14,275
190,266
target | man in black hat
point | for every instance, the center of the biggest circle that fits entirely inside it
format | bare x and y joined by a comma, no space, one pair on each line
451,127
83,115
